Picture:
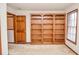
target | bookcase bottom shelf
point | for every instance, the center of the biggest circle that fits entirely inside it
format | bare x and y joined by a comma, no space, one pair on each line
47,41
59,41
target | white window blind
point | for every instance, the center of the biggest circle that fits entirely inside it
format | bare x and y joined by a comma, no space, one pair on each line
72,25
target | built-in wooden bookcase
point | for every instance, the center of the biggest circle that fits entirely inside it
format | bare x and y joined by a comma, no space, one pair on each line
36,28
59,28
47,28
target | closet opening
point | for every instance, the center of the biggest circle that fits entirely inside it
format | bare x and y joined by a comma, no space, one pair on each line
10,27
16,28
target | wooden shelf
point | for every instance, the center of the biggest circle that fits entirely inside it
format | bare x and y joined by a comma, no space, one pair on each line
59,24
47,24
58,33
36,29
48,40
36,24
36,18
47,29
48,17
37,33
59,29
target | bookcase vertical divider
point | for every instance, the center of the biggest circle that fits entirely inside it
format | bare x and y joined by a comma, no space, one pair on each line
53,28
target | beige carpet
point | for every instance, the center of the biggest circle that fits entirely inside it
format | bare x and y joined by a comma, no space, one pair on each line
26,49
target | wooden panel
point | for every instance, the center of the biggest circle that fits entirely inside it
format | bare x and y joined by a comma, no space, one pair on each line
18,35
20,29
23,37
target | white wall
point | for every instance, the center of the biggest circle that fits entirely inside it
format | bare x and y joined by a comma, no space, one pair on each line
3,20
71,45
11,10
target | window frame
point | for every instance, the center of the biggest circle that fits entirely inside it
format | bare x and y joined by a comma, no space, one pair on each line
76,10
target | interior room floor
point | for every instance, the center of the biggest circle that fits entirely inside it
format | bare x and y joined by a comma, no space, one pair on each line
26,49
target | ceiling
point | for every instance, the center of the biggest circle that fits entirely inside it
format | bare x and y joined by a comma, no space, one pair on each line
40,6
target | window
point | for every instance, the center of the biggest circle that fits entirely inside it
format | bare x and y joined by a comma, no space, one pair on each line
72,26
